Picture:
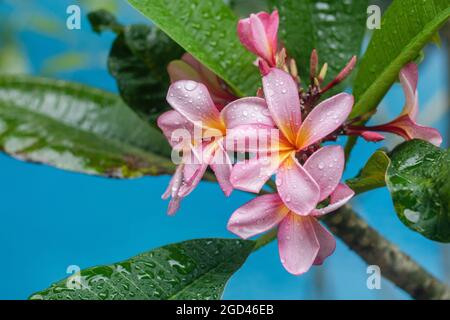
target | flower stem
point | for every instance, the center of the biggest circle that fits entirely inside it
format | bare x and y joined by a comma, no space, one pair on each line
265,239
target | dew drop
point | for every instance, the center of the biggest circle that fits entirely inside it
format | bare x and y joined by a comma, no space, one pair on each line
190,85
278,182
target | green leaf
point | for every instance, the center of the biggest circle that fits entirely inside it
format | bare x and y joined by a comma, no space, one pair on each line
406,27
138,61
373,174
334,28
419,181
191,270
77,128
102,20
206,29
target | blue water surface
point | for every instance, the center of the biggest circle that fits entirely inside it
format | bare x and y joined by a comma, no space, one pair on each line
51,219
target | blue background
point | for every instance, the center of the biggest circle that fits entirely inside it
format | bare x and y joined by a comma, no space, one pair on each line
51,219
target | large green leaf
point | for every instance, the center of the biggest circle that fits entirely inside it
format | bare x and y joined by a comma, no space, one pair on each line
373,174
77,128
195,269
206,29
419,181
138,61
406,27
334,28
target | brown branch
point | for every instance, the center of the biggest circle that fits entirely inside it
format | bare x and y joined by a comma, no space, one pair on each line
374,249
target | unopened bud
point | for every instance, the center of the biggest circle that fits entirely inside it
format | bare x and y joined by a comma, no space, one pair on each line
323,72
281,58
342,75
313,64
263,67
347,69
293,67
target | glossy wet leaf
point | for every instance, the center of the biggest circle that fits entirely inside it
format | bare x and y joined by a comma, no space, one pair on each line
373,174
419,181
206,29
138,61
195,269
406,27
334,28
77,128
102,20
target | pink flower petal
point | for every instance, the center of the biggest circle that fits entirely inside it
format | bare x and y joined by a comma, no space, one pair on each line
408,129
174,206
174,184
173,190
193,101
189,68
261,42
171,121
189,186
297,243
271,26
251,175
296,187
324,119
408,78
245,34
257,216
246,111
327,242
194,159
281,93
338,198
326,166
258,34
221,165
259,139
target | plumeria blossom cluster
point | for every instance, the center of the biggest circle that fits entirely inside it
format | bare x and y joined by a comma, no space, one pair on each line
280,133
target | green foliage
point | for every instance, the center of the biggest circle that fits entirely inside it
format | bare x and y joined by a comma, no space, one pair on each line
206,29
419,181
334,28
406,27
372,176
102,20
138,61
191,270
77,128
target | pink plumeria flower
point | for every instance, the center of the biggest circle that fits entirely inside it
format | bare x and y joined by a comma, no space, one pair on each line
405,124
296,187
302,241
258,34
189,68
196,111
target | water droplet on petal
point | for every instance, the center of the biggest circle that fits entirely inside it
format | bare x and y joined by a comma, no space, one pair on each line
278,181
190,85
